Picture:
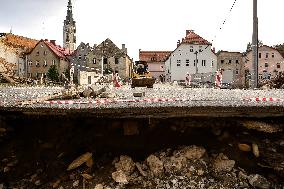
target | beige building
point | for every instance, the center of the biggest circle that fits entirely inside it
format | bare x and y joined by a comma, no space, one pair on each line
232,66
270,63
45,54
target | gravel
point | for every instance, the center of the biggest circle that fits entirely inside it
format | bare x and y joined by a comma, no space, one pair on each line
10,96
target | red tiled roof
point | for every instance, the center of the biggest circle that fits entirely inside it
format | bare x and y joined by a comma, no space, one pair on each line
154,56
58,50
193,38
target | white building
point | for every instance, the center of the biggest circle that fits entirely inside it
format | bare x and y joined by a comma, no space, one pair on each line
193,55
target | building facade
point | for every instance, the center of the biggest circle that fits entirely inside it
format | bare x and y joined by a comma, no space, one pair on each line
270,63
193,55
13,49
45,54
233,68
156,62
69,30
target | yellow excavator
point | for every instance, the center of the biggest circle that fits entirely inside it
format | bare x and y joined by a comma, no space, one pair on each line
141,77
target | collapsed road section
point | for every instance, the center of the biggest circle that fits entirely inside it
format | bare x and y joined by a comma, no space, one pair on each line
167,137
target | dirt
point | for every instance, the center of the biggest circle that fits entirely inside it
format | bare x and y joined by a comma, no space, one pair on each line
35,152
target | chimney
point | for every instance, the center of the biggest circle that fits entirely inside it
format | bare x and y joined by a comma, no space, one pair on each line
188,31
124,49
53,42
178,43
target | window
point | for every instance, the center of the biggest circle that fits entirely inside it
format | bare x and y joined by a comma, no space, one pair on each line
237,71
30,63
116,60
178,62
37,53
200,48
85,57
203,63
230,61
116,71
105,60
80,57
259,76
29,75
194,62
266,65
259,55
266,55
187,62
191,49
53,62
37,63
212,63
44,63
272,55
44,53
278,65
94,61
222,61
237,61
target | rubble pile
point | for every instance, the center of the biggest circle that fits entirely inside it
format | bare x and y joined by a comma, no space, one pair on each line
275,83
6,67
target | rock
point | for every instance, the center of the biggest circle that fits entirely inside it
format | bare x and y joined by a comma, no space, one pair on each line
174,164
258,181
87,176
191,152
282,143
79,161
56,184
255,150
90,162
87,93
2,130
222,164
37,183
125,164
76,183
99,186
108,95
6,169
139,167
139,94
262,126
119,177
155,165
1,186
244,147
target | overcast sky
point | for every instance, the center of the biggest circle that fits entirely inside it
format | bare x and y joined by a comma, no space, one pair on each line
146,24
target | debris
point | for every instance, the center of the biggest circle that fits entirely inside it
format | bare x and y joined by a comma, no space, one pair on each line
258,181
87,176
156,165
79,161
139,167
90,162
244,147
222,164
139,94
56,184
255,150
125,164
191,152
119,177
76,183
99,186
108,95
262,126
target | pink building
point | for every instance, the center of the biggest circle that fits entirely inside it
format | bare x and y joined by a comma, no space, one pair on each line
156,61
270,63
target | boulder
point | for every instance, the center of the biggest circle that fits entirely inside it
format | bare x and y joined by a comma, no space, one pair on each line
174,164
191,152
222,164
155,165
119,177
258,181
125,164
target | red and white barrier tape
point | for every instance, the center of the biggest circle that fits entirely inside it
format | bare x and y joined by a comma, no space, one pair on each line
262,99
105,101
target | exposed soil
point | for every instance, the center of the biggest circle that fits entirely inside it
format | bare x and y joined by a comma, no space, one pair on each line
35,152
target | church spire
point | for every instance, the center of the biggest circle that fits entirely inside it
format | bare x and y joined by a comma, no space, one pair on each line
69,29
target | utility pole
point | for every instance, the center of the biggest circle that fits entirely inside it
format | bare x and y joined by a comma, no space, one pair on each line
196,60
254,75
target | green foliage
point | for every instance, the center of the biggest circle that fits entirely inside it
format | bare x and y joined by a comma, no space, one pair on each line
67,74
52,73
249,45
280,48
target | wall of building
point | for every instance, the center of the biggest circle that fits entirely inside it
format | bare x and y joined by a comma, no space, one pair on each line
270,63
183,53
87,78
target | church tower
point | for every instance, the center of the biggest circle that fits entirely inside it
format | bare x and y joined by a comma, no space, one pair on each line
69,30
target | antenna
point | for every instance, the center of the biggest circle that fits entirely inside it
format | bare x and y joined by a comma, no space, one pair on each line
11,29
43,30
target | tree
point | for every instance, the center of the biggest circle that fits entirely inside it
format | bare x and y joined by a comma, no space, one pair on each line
52,73
280,48
249,45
